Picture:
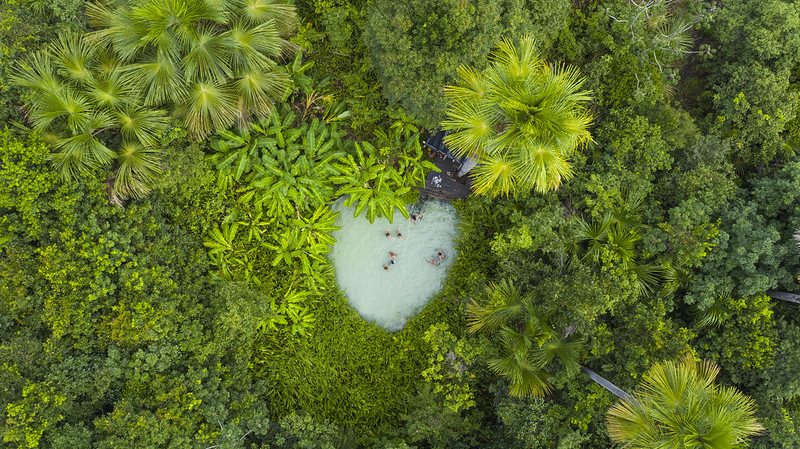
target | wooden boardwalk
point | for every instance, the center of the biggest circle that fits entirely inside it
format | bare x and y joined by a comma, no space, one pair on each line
445,185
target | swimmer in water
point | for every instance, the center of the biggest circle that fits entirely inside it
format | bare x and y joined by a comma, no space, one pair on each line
392,255
387,233
441,255
432,261
385,267
399,234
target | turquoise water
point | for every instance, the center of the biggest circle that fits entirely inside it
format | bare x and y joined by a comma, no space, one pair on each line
389,297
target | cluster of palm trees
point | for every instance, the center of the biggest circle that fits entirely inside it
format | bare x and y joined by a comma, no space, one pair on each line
104,97
521,119
677,404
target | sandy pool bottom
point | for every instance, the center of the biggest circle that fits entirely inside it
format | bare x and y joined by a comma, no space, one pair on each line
390,297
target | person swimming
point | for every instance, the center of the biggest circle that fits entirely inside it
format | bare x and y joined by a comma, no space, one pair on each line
400,234
387,233
433,262
392,255
385,267
440,254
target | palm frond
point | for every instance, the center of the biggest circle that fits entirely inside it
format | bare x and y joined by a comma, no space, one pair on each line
471,125
74,55
80,154
209,107
677,404
138,168
253,48
140,124
208,56
257,92
115,27
279,12
526,377
495,177
505,304
159,80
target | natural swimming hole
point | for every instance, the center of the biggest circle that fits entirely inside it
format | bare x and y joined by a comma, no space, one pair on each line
390,297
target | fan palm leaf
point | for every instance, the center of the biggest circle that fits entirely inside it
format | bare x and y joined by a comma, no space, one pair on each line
207,57
261,11
471,124
170,25
209,106
541,168
112,92
525,375
257,91
565,350
506,304
74,56
677,405
115,27
252,48
38,73
495,176
138,168
158,78
142,125
80,153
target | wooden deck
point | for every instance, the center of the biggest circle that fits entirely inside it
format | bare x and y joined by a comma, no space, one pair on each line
445,185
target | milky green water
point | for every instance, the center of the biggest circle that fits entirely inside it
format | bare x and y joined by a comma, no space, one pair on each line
390,297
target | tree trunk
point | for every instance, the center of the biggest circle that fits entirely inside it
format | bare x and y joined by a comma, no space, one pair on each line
605,383
791,297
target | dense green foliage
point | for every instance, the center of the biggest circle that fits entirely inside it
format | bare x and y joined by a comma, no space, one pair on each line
174,290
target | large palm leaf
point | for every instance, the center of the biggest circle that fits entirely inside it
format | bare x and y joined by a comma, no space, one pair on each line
209,106
677,406
526,375
527,344
138,167
506,304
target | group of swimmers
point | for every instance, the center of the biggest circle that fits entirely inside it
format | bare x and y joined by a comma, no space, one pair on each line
433,260
415,218
392,256
390,236
439,258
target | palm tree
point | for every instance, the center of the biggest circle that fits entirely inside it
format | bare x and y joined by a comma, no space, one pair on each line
677,405
527,344
521,118
214,63
84,102
99,97
612,236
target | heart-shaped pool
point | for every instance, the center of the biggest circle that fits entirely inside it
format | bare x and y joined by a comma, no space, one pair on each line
388,288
